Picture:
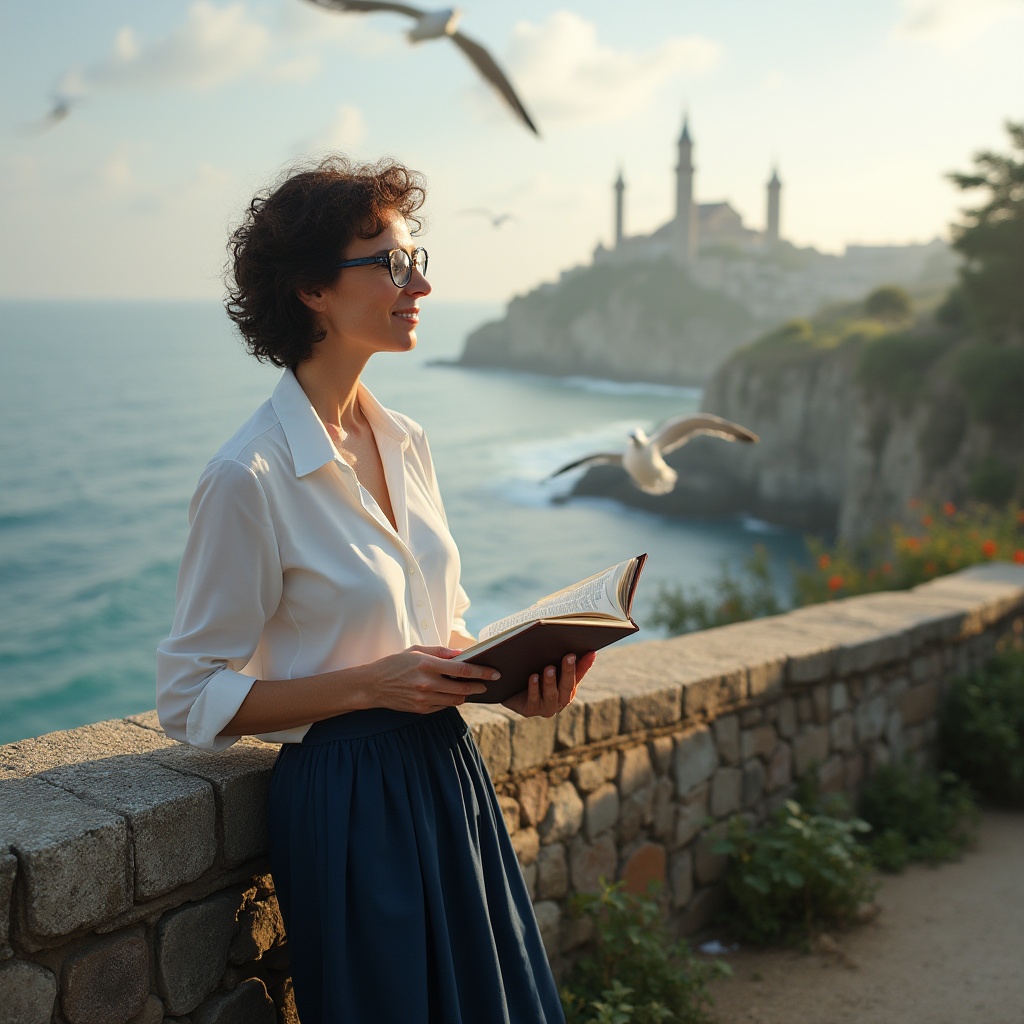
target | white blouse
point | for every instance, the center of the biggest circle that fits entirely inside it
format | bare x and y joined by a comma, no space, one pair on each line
291,568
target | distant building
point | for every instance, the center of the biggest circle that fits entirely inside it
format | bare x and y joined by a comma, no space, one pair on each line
773,277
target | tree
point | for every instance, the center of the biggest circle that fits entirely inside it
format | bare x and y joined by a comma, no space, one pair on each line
888,303
991,239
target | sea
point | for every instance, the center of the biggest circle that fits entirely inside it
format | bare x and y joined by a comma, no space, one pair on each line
110,410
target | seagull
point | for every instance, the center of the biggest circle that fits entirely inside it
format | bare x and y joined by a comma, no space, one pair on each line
437,25
496,219
643,460
59,110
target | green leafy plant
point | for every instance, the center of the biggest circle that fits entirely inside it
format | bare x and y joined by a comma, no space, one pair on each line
730,598
634,973
797,873
917,815
981,734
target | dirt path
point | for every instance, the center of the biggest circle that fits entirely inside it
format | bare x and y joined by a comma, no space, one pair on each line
946,948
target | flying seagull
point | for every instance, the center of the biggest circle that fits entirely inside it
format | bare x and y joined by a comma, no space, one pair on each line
643,458
496,219
437,25
59,110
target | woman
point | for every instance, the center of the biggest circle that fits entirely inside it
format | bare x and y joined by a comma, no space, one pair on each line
318,606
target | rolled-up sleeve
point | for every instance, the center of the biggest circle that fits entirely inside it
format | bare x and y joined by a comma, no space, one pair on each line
229,585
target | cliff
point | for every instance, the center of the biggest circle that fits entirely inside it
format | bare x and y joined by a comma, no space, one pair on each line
857,417
639,321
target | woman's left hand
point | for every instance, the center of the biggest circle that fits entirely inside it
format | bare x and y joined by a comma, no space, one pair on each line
548,693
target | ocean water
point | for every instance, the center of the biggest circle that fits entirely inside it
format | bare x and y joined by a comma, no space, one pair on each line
108,412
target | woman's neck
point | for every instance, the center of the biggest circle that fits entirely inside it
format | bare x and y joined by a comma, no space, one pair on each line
332,388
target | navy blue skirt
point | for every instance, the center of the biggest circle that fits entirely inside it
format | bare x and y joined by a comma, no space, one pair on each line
400,891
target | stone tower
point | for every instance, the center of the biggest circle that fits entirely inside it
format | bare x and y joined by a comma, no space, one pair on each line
620,188
771,233
686,218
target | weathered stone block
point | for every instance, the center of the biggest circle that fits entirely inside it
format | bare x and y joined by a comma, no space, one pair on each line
750,717
661,753
603,711
780,768
663,809
709,866
73,859
920,703
108,981
601,810
681,878
821,699
841,732
839,697
590,862
8,869
534,798
648,702
171,816
533,741
526,843
549,920
152,1012
492,733
726,791
192,946
759,742
249,1003
786,722
870,718
28,993
552,872
692,814
718,688
727,738
634,811
635,770
810,747
571,725
240,777
509,811
260,928
832,774
565,814
643,867
588,775
753,782
695,759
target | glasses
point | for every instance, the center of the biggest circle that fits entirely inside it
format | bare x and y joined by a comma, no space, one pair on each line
398,262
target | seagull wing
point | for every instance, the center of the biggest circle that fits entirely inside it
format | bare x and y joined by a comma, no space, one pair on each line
486,65
590,460
677,431
370,5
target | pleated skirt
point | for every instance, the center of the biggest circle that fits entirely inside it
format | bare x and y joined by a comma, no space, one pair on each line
401,894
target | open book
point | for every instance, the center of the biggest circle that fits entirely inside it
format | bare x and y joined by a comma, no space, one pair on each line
585,617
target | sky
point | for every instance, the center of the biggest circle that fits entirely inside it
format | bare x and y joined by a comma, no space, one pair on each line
183,109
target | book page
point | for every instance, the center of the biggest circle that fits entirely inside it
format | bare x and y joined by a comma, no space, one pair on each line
595,594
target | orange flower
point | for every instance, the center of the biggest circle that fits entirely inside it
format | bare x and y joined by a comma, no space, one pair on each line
911,543
926,521
886,568
989,549
1018,556
835,583
949,508
824,562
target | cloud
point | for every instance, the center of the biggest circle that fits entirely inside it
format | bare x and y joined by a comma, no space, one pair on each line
951,23
346,131
214,45
565,72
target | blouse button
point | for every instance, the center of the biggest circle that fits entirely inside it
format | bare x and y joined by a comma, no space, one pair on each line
412,570
423,623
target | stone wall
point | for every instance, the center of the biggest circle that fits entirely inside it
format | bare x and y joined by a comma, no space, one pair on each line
133,876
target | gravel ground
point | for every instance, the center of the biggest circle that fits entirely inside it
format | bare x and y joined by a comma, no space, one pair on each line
947,947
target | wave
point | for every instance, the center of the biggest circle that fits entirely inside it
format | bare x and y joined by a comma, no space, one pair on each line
599,386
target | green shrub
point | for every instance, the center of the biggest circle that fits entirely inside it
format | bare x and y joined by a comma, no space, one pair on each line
635,973
731,599
888,303
798,872
992,377
917,815
993,481
982,730
893,364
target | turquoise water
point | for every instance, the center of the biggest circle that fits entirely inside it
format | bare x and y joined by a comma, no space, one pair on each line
108,412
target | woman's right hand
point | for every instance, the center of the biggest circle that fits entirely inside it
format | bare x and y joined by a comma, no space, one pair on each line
418,680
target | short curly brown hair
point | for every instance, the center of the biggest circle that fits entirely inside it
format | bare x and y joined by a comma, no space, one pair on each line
293,235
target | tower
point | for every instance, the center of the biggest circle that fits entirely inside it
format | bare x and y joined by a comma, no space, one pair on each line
620,187
686,219
771,233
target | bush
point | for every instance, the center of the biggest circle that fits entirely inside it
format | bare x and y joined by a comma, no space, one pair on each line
798,872
732,599
894,364
888,303
635,974
981,735
917,816
993,379
993,481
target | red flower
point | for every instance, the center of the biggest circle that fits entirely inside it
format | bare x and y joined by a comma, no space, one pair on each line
824,562
835,583
1018,556
949,508
989,549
